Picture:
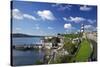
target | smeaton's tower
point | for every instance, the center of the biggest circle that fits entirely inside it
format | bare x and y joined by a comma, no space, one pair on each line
83,31
82,28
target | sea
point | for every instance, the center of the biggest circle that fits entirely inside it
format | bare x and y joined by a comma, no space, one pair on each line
28,57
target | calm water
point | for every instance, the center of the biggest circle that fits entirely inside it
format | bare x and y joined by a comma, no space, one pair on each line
27,57
27,40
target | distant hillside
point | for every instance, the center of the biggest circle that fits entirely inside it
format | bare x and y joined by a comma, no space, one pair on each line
20,35
25,35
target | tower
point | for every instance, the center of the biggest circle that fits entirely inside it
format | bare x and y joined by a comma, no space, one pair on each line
82,28
82,31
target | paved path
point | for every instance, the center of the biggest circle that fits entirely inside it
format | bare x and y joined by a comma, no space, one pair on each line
53,55
93,41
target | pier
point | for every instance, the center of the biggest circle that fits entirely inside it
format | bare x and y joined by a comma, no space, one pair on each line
28,46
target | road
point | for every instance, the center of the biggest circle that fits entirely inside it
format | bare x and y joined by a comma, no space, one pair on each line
93,40
53,55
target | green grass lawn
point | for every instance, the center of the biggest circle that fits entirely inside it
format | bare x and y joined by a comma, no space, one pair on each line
84,51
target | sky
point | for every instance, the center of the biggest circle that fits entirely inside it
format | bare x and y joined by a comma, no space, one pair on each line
38,18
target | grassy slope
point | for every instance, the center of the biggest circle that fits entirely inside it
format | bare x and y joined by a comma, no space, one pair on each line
84,51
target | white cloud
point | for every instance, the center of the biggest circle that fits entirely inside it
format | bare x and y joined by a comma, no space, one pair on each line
66,19
91,21
77,19
50,28
74,19
68,7
46,15
62,7
89,28
29,16
67,26
17,14
85,8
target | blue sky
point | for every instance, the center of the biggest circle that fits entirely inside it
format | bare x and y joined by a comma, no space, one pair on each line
37,18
